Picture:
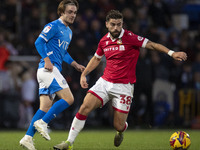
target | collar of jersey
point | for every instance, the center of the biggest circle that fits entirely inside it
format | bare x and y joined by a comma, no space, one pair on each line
121,34
61,21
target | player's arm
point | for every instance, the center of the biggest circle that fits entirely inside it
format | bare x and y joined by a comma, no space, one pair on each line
47,33
68,59
181,56
93,63
77,66
40,46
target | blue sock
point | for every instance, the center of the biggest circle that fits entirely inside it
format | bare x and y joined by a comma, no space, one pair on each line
56,109
38,115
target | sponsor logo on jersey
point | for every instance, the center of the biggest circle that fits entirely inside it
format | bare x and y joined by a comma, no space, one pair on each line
121,48
111,49
140,38
64,44
46,29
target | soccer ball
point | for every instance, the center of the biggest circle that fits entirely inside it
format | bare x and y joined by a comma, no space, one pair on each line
180,140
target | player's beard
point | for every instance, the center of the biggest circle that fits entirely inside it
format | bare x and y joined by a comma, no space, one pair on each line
115,34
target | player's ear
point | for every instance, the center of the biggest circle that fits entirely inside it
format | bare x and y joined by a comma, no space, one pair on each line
106,24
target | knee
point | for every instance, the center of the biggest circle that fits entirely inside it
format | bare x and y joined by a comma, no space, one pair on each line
69,100
119,126
84,109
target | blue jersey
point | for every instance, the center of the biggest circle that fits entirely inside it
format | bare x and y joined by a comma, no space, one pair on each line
53,42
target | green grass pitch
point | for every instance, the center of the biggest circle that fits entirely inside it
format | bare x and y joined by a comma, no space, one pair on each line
101,140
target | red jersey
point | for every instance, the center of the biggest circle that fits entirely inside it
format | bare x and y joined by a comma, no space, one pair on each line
121,56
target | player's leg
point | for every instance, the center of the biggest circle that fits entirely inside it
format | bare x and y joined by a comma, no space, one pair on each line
120,125
90,103
96,97
120,120
45,105
27,140
61,88
55,83
66,100
121,104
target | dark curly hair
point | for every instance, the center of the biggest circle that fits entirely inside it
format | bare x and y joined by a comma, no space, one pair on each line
114,14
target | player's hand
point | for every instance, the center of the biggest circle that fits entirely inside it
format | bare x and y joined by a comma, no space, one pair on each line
181,56
83,82
79,67
48,65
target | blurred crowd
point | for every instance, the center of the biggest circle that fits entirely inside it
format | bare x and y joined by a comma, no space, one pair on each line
173,23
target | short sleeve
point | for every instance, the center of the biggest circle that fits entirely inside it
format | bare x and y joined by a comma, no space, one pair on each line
99,52
137,40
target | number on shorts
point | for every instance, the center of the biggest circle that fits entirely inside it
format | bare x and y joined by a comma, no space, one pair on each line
125,99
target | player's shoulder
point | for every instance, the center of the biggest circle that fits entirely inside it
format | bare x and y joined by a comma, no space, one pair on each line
53,24
104,38
129,33
129,36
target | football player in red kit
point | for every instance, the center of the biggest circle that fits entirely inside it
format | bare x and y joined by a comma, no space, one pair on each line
121,49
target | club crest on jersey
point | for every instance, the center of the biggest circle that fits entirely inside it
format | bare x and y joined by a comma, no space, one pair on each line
121,48
46,29
64,81
119,42
140,38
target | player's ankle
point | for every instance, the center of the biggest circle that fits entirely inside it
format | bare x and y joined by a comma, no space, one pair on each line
69,141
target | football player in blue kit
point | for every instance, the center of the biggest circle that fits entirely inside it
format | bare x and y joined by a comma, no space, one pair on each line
52,45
